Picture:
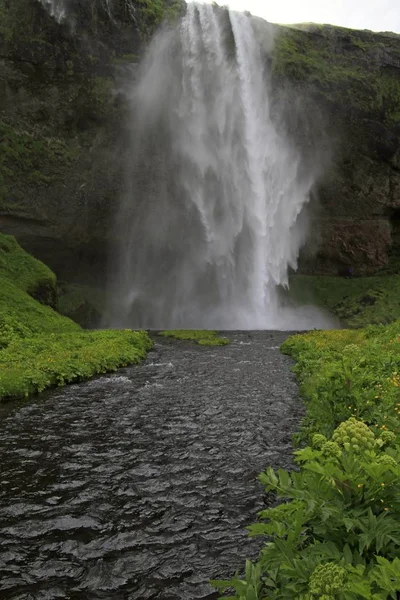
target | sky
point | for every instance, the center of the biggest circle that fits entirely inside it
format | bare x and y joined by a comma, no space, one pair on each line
377,15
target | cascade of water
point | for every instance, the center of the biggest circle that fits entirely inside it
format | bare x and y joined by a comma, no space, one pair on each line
208,226
61,9
56,8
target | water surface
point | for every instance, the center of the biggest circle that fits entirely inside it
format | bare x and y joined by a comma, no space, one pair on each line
139,485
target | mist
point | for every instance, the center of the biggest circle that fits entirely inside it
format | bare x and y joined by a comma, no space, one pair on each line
213,213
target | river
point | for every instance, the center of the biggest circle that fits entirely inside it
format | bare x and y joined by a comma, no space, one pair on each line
139,485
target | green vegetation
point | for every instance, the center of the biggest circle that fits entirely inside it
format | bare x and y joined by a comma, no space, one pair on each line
153,12
202,337
348,373
30,365
357,301
21,269
101,95
16,19
354,77
31,157
336,533
39,348
82,303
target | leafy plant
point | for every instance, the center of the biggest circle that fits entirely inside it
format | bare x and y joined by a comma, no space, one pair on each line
335,535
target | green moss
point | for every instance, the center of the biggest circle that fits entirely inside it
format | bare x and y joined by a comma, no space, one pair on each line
40,348
102,90
25,272
21,316
23,155
348,373
33,364
16,19
354,77
357,301
202,337
73,295
22,269
153,12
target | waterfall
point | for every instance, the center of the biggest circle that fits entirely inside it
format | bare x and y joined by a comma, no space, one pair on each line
56,8
211,219
62,10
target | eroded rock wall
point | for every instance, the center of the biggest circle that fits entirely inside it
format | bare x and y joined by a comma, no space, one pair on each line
351,79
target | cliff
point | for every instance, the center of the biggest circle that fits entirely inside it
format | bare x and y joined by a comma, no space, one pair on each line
351,80
62,126
62,130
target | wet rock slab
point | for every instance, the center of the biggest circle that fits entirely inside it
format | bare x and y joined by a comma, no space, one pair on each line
140,485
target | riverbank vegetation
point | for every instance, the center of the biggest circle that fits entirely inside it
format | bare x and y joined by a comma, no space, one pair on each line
202,337
357,301
40,348
335,535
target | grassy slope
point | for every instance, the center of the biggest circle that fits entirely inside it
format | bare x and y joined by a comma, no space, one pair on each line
357,302
39,348
349,373
20,268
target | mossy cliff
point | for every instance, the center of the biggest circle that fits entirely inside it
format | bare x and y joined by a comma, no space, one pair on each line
62,126
63,130
39,348
351,79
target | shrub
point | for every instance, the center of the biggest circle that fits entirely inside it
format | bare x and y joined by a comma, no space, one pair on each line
336,533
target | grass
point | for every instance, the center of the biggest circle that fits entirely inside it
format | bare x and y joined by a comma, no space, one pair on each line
202,336
39,348
351,77
348,373
21,269
357,302
21,316
33,158
30,365
336,533
74,295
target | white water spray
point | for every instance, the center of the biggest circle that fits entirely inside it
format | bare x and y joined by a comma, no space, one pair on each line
60,10
211,220
56,8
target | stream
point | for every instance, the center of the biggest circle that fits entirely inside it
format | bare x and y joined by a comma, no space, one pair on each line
139,485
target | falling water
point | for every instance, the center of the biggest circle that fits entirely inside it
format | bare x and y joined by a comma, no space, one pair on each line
211,218
56,8
63,10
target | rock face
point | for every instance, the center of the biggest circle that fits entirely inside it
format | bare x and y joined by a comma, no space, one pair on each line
353,79
62,124
62,130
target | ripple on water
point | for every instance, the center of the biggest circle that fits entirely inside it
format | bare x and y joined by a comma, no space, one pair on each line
140,485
